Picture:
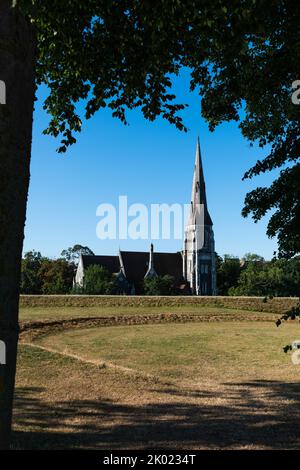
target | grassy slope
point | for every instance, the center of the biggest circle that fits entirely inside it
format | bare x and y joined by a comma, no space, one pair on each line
55,313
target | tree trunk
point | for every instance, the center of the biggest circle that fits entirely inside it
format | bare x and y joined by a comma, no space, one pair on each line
17,53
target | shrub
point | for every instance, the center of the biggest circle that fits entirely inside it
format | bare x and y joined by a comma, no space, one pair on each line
97,281
159,285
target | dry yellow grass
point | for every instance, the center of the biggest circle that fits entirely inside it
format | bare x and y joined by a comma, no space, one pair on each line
191,353
64,403
175,386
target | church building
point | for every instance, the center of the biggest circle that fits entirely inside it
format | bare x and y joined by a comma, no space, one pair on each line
193,269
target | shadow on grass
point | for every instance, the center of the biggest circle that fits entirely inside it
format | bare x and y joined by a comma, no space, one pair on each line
261,414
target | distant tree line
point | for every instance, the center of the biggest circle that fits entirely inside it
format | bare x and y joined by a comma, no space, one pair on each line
42,275
251,276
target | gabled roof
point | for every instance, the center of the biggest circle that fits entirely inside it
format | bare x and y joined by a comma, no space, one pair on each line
111,263
169,263
136,264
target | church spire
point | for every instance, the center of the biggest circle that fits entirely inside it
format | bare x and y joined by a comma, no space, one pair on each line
199,266
198,198
151,271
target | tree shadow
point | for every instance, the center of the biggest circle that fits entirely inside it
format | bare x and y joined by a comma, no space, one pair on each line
255,414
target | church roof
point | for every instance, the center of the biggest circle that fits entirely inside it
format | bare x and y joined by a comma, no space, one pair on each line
111,263
168,263
136,264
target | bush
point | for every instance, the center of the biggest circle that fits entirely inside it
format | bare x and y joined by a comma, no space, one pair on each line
56,276
97,281
228,273
159,285
40,275
30,279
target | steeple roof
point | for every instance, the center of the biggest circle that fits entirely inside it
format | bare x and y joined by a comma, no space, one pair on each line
198,197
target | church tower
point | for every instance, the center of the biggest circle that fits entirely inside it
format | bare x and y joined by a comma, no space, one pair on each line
199,265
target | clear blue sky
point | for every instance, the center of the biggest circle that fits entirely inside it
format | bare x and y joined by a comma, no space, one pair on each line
148,162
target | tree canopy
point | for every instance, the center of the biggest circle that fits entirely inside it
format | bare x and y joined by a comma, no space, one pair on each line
228,273
243,58
278,277
160,285
41,275
73,253
97,281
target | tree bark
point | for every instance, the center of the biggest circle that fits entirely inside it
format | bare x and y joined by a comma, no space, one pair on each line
17,52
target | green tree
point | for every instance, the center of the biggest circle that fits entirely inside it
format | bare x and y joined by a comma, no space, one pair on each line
56,276
257,280
30,280
290,276
159,285
253,257
73,253
122,54
98,281
278,277
228,272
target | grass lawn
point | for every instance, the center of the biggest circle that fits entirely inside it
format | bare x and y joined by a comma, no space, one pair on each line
63,403
57,313
207,385
193,353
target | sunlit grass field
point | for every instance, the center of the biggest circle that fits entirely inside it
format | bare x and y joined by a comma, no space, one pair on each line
193,353
204,384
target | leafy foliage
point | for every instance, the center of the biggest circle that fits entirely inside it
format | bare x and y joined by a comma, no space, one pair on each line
228,272
40,275
72,254
279,277
292,314
122,54
159,285
97,281
56,276
30,280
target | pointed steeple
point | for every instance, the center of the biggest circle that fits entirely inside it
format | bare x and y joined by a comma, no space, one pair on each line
199,266
151,271
198,197
122,270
